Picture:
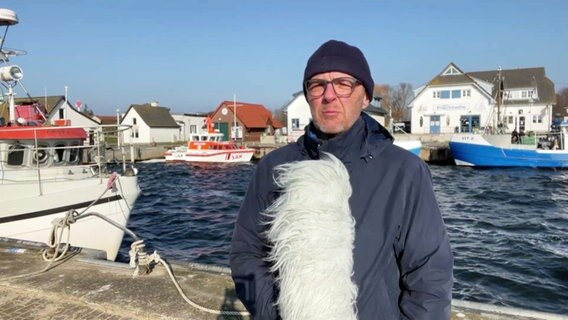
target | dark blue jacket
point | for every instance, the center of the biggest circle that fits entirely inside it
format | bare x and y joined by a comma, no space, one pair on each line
402,257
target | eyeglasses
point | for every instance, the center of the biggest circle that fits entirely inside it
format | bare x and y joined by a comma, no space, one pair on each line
343,87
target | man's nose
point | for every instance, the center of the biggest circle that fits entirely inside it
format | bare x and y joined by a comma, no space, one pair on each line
329,92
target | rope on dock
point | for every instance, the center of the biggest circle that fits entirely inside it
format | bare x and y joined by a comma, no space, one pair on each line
145,263
195,305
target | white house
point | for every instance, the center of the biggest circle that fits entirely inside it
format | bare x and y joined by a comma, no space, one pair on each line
190,123
456,101
59,110
298,116
151,124
377,113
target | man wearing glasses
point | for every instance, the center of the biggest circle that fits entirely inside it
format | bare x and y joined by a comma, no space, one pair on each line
402,260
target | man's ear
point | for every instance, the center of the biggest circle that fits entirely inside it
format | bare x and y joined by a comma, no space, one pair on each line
366,102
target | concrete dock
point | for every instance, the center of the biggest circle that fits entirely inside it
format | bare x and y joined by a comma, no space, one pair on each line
86,287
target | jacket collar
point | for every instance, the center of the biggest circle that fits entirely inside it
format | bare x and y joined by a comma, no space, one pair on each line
365,138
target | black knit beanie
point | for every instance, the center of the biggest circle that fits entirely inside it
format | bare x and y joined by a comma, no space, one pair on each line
339,56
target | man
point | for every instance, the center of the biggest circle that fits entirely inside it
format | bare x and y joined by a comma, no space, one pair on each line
402,260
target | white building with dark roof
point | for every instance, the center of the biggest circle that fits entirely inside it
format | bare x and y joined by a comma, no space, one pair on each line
456,101
151,124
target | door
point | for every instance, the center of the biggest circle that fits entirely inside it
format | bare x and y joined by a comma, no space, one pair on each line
522,124
434,124
223,127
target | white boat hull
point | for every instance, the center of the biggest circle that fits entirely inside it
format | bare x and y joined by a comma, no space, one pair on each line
28,210
228,156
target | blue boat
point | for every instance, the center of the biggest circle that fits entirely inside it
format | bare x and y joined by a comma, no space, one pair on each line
547,150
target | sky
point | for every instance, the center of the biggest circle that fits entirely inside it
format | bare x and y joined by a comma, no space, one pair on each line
192,55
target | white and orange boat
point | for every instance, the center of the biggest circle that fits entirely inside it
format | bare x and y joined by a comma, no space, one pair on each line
209,147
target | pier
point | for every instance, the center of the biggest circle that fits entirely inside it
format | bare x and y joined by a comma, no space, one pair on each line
87,287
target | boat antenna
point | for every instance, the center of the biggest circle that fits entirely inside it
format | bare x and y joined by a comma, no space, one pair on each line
7,18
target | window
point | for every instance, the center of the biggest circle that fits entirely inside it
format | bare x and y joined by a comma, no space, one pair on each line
59,154
445,94
133,120
295,123
525,94
15,155
75,153
136,133
466,93
456,94
536,119
510,119
193,128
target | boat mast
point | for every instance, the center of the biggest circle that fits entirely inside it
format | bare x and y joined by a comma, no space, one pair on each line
499,101
9,74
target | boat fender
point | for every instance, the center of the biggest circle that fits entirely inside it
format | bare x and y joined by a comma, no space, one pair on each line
514,137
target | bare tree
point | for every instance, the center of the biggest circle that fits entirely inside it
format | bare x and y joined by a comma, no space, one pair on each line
401,97
559,109
384,92
280,115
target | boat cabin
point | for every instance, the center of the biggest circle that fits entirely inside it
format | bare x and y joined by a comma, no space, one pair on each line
209,141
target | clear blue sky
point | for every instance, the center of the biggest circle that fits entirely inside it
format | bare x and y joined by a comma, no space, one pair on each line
191,55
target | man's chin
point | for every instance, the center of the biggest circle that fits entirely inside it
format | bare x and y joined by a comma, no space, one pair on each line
331,129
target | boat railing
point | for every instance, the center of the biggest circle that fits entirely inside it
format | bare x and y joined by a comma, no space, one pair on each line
544,141
59,158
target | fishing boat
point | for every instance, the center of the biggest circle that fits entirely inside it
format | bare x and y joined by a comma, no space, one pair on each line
546,150
209,147
56,187
498,146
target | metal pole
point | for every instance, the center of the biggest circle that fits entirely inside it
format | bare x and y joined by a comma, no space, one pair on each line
11,105
65,106
234,133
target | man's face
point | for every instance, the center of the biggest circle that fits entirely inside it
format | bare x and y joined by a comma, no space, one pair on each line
335,112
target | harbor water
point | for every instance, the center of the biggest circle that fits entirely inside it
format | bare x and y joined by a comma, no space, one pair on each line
508,227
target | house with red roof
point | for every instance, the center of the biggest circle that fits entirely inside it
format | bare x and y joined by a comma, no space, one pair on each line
246,122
